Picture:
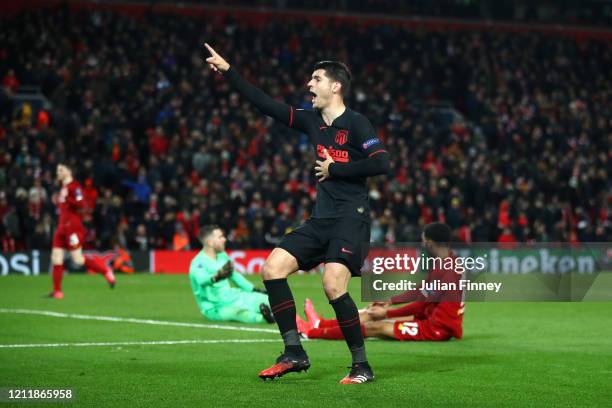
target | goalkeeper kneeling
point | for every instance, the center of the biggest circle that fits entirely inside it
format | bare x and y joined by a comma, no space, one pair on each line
210,274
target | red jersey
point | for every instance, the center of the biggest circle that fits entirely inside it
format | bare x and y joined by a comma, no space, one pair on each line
442,308
70,203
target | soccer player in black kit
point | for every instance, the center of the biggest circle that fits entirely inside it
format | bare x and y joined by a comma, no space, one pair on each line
338,232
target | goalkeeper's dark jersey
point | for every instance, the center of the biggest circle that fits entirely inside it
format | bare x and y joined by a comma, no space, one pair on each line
350,140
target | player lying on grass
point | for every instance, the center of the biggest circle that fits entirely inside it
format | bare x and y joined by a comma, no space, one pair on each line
431,315
70,233
210,274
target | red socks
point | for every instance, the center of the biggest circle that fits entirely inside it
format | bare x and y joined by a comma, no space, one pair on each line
331,331
91,263
96,265
58,274
323,323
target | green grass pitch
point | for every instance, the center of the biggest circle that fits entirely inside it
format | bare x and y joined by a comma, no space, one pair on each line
536,354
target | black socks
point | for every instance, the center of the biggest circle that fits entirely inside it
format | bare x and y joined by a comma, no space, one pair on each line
348,320
283,308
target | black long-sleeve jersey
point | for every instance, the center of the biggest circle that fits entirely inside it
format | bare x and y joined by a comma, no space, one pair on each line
350,140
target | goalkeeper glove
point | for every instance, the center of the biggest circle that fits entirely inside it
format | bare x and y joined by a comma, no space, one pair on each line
224,273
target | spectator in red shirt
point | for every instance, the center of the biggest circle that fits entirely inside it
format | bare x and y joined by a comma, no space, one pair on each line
507,239
10,82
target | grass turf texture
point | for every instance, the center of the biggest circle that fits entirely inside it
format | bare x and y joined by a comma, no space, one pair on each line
552,354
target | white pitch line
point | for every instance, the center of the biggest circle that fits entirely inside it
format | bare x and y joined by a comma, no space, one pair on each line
131,320
138,343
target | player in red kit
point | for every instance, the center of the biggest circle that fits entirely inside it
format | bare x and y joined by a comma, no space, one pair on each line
431,315
70,233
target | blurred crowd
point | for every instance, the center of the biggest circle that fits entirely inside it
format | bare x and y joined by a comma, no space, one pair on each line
573,12
162,145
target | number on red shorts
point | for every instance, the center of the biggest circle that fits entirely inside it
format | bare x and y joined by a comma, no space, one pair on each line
409,328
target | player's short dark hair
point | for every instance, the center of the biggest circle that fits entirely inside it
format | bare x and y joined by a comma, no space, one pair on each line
207,230
337,71
438,232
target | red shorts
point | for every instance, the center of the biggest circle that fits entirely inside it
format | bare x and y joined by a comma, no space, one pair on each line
419,330
69,237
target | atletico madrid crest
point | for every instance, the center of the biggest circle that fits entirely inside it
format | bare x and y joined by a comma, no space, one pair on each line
341,137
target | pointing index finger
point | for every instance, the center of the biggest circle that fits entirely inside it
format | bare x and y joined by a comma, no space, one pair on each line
210,49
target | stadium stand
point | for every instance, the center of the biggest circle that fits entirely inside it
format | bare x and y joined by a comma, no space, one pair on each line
502,135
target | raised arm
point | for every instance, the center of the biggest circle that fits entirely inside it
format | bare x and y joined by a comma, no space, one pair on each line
282,112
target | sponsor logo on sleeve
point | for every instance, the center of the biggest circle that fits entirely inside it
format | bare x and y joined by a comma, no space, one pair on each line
370,142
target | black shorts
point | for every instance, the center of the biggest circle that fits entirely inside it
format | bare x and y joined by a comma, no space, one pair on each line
344,240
